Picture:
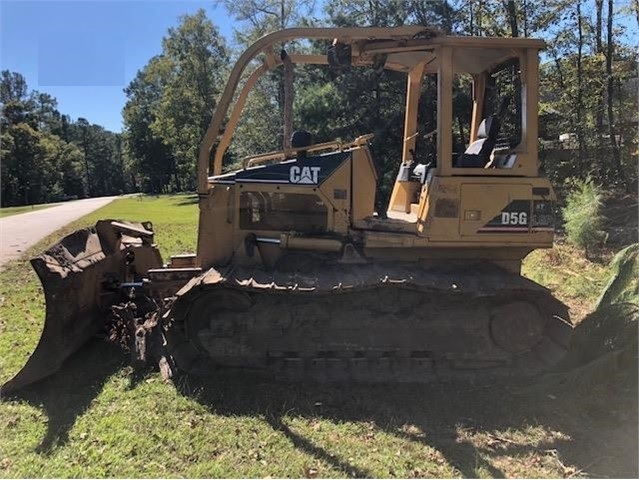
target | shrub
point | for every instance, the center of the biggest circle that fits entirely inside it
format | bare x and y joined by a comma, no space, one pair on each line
623,286
582,215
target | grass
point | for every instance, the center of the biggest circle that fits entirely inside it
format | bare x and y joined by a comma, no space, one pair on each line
99,418
573,278
8,211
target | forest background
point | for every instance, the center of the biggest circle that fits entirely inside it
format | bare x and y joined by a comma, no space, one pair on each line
588,109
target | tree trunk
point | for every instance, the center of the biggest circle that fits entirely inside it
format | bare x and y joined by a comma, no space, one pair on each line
287,117
286,89
560,72
599,109
178,183
512,17
514,32
118,153
85,148
616,157
580,86
599,25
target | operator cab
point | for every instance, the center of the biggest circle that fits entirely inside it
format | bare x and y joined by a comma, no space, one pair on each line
481,115
472,181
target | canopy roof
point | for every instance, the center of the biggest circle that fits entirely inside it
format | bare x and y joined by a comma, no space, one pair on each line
397,48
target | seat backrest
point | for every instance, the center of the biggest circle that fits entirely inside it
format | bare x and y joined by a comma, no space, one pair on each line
477,154
491,127
486,136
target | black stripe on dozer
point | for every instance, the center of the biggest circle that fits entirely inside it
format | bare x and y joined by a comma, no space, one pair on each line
369,323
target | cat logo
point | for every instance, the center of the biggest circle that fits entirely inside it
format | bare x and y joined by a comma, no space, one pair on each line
304,175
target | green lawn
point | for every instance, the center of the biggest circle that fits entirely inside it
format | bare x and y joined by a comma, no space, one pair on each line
98,417
8,211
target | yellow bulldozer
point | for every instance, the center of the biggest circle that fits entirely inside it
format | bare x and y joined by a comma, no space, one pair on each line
298,275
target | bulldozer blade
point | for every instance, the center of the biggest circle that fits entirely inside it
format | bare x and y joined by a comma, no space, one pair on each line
82,277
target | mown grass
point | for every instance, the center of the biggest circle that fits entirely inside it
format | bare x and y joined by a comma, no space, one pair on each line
174,219
98,417
8,211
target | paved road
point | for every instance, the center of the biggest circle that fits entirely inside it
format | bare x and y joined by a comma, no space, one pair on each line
19,232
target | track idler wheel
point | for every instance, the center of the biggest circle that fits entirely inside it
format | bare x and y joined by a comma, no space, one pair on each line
535,330
516,327
208,321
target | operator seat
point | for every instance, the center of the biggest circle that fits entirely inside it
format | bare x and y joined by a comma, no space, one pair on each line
478,153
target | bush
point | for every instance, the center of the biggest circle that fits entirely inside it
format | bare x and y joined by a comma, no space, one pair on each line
623,286
582,215
608,336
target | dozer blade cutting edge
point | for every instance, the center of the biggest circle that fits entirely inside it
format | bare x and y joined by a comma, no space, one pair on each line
82,276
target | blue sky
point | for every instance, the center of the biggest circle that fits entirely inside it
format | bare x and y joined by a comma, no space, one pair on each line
85,52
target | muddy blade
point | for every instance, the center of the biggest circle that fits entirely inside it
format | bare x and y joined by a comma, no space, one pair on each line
73,274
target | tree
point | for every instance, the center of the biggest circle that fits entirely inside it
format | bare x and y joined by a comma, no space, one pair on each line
170,104
262,127
41,160
441,14
18,164
13,87
583,216
581,100
20,140
588,87
612,131
83,124
369,100
150,158
259,17
196,59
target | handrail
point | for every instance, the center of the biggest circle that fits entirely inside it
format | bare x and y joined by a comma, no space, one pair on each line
251,161
215,128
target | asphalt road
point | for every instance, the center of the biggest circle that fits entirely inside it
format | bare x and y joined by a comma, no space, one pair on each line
19,232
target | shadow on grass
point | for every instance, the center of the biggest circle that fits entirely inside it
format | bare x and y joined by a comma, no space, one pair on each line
305,445
188,200
438,411
601,440
596,433
69,393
